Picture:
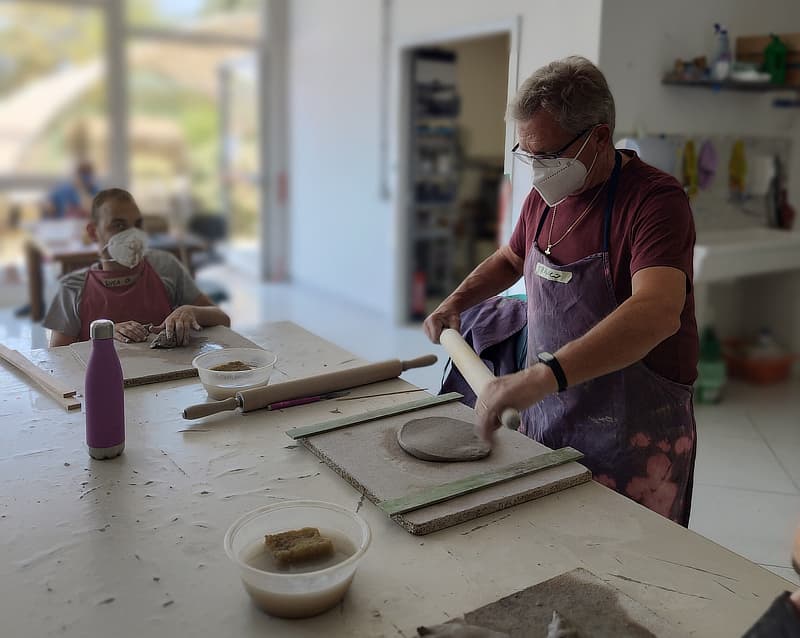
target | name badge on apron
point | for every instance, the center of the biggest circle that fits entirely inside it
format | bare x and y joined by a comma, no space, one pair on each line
561,276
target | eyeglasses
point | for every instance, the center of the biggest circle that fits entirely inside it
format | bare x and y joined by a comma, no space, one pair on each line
529,158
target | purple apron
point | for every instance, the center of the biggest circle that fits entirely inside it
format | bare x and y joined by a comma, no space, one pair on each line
635,427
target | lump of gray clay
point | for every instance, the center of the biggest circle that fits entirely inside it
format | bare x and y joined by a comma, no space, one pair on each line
440,438
163,341
560,627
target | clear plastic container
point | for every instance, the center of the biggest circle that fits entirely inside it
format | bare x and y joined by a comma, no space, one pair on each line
222,385
297,595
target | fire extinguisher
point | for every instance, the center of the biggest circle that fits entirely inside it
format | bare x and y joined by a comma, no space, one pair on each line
418,295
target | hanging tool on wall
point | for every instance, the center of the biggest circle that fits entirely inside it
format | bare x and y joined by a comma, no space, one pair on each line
689,169
706,165
737,171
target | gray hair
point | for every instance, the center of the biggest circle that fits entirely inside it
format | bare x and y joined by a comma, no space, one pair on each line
573,90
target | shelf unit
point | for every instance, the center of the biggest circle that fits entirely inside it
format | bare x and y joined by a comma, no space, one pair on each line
433,178
737,85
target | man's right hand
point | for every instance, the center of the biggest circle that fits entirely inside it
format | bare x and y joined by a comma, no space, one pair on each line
441,318
130,332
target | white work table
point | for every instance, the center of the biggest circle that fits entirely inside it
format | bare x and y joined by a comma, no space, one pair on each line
132,547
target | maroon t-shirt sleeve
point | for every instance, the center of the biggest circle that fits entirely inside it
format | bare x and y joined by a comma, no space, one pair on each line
519,238
663,233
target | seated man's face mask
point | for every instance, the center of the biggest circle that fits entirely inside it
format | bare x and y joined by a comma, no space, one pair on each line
127,247
557,178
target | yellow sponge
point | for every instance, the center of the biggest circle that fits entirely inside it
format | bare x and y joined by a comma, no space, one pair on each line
298,545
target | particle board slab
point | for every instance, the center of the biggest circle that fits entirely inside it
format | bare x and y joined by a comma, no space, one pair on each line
589,604
369,457
142,364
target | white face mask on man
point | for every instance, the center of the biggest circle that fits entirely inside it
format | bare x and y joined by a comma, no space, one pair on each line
127,247
557,178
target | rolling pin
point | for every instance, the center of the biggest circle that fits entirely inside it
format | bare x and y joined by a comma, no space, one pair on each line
258,398
474,370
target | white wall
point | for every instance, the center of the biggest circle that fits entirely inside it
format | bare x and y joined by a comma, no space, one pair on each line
639,42
340,229
344,236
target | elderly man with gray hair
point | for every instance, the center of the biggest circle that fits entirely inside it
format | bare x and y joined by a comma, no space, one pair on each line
604,242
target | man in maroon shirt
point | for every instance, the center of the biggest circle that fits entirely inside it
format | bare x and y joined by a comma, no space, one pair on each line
605,245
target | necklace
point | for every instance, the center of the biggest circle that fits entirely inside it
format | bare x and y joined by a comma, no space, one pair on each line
550,242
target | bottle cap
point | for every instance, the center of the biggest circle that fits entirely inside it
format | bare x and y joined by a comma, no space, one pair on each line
102,329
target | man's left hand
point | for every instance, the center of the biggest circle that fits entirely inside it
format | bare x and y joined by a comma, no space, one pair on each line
180,322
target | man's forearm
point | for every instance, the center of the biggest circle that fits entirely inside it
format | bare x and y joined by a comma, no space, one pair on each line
492,276
211,316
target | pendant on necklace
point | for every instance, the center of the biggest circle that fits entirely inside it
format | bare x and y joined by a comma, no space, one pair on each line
547,250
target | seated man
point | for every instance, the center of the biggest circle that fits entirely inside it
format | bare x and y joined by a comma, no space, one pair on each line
73,197
140,290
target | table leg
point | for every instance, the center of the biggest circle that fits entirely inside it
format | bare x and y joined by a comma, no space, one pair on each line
33,261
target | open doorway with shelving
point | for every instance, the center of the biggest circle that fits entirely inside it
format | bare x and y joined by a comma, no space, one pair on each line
456,139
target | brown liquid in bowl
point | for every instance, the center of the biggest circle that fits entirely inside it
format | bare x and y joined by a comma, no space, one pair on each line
232,366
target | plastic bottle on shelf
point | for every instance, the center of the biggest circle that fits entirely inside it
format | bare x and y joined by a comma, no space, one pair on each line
104,394
775,59
721,62
711,373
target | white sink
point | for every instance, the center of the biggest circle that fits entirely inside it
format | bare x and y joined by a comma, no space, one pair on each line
721,255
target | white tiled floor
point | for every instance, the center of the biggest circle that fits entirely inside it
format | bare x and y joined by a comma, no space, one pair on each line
747,478
747,485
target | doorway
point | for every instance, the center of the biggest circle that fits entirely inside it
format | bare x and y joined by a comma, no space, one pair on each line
456,92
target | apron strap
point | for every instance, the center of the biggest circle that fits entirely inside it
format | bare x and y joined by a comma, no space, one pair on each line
541,224
612,192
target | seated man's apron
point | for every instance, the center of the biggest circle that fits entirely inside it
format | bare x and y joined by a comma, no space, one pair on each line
137,295
635,428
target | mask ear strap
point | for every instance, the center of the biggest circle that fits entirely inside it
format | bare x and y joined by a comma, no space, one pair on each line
591,166
583,146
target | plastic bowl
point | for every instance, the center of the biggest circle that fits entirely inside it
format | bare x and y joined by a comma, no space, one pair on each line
222,385
297,595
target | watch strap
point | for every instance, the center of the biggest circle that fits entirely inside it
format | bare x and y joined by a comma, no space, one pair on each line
558,372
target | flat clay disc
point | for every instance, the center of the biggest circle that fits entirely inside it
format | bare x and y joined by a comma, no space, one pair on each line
439,438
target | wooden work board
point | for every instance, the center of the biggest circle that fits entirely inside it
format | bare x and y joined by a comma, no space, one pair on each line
592,606
369,457
142,364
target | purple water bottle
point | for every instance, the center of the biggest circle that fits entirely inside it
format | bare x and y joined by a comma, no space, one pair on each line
105,401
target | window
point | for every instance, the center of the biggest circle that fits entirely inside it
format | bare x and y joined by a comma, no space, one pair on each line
219,17
178,94
52,88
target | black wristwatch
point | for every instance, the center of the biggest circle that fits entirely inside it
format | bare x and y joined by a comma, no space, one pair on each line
551,362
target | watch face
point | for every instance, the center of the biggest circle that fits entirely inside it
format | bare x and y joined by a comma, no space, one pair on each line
545,356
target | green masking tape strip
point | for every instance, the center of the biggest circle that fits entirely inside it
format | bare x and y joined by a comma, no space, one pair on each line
448,491
364,417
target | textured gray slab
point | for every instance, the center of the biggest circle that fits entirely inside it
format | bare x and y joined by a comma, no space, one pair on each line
369,457
592,606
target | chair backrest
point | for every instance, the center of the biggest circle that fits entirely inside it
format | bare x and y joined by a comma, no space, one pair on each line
209,226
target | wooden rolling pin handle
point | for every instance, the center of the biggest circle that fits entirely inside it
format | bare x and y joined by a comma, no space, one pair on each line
420,362
510,418
207,409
